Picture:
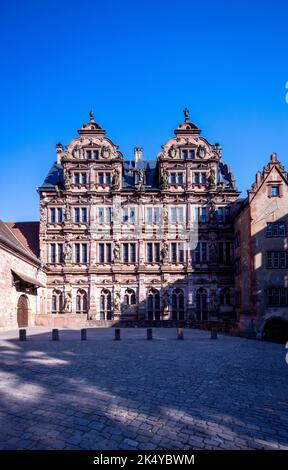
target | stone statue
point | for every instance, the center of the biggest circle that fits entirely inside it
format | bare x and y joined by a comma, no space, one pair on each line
67,180
165,215
186,114
68,303
116,251
165,303
68,253
212,179
213,253
164,250
117,302
115,184
214,302
67,213
165,180
173,151
76,151
212,213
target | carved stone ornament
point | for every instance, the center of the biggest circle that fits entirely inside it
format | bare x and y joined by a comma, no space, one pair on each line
164,250
117,302
105,152
115,184
201,151
67,214
173,151
165,180
68,302
68,253
116,251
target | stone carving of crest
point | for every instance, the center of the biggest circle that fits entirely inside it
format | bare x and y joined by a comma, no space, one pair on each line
173,151
201,151
105,152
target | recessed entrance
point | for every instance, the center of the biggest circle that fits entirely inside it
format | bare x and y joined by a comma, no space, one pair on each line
22,311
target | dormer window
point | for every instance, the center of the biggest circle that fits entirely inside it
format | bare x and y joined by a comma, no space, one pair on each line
275,191
92,154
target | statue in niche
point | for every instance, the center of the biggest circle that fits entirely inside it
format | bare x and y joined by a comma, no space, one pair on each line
214,302
164,250
115,184
165,215
173,151
212,179
165,303
165,180
105,152
117,302
212,213
68,253
213,253
116,251
67,213
68,303
67,180
76,151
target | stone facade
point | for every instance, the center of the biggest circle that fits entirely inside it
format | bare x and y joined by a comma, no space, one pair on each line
261,262
138,239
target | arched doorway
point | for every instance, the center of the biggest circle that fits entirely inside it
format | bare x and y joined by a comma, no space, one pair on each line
276,330
22,311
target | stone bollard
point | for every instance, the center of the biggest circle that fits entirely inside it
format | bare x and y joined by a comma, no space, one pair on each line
180,333
117,334
83,334
149,333
214,334
55,334
22,335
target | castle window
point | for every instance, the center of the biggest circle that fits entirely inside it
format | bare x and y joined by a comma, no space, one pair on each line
152,215
153,252
177,252
130,297
153,305
176,178
56,215
276,229
196,178
201,304
80,178
104,178
81,253
225,297
57,302
177,305
277,296
191,154
220,215
200,253
53,215
176,215
129,252
275,191
105,253
56,253
227,214
80,215
92,154
203,178
276,259
81,301
105,305
184,154
128,215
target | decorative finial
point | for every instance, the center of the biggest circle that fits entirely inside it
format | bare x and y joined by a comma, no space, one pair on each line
91,115
273,157
186,114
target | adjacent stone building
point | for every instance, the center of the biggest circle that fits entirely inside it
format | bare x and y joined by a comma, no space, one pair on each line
166,239
22,280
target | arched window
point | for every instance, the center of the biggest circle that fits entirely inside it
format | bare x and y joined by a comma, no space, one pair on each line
105,305
201,304
225,298
178,304
81,301
130,297
153,305
57,302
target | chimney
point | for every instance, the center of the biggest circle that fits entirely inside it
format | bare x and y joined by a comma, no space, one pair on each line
138,153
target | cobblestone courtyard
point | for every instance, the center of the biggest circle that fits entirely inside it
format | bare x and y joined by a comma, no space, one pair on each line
199,393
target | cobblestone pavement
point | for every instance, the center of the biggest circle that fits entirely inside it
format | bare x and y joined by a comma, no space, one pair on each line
199,393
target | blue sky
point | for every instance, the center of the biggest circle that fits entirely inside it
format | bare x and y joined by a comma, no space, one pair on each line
138,64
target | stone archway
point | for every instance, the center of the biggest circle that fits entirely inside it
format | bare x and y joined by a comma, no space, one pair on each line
276,330
22,311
